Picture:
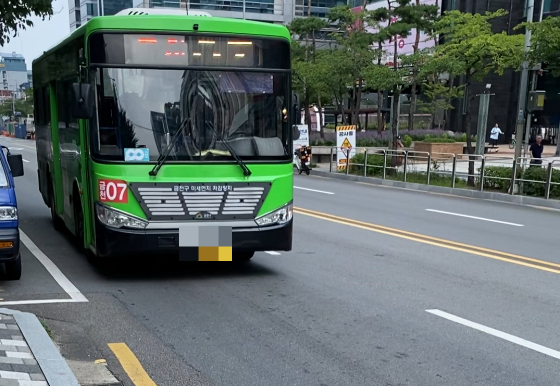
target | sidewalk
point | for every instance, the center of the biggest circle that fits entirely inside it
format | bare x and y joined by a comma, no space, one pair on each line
28,357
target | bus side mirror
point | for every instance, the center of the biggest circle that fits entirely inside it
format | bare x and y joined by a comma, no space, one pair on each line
295,132
15,161
296,110
83,101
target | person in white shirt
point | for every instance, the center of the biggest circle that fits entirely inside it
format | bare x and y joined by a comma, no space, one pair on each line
494,135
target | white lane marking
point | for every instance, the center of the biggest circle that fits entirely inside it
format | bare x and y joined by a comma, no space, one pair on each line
313,190
24,160
56,273
16,148
499,334
475,218
40,301
273,253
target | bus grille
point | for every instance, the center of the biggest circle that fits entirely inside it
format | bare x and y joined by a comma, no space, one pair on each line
203,201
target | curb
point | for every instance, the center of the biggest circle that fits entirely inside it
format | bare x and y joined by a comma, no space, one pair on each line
54,367
491,196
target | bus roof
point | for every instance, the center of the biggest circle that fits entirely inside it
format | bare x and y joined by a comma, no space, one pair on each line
174,23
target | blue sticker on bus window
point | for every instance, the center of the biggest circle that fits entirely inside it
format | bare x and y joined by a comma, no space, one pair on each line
136,154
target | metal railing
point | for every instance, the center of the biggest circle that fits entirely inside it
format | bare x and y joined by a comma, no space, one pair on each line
484,173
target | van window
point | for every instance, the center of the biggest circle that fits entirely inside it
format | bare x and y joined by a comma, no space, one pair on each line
3,177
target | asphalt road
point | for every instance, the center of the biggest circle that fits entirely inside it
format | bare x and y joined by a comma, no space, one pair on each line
348,306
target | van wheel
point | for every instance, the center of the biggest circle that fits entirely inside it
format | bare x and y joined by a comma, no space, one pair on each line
243,256
13,269
58,224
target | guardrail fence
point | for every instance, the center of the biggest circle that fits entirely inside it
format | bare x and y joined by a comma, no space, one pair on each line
525,176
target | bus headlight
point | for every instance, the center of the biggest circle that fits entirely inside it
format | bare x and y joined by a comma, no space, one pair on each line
8,213
117,219
280,216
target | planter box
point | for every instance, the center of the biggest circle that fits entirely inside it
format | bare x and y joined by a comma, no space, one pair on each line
435,148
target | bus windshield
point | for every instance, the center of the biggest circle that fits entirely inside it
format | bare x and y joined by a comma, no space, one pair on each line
144,108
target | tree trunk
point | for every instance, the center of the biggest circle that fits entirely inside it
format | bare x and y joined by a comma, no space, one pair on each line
557,144
395,119
307,114
380,98
412,103
352,102
379,107
358,105
467,127
322,131
414,75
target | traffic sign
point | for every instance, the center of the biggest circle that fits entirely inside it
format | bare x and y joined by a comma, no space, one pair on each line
346,143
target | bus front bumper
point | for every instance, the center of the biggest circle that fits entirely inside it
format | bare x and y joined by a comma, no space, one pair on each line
113,242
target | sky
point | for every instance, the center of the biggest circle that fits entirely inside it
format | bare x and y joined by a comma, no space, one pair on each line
43,35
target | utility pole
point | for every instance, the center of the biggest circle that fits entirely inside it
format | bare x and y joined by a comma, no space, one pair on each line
533,87
523,86
557,154
482,120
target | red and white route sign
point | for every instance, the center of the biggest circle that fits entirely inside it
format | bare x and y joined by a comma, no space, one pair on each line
113,191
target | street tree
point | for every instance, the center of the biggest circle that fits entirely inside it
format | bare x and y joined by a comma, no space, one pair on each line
396,28
421,18
439,75
545,43
545,47
470,42
303,60
15,16
360,54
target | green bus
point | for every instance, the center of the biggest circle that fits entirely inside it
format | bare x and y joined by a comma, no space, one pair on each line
152,121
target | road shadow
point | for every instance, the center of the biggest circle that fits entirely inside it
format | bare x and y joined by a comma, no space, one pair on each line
156,267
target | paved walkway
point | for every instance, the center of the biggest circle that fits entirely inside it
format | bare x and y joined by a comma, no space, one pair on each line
18,366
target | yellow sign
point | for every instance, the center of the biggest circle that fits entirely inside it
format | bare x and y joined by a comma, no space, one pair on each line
346,144
346,128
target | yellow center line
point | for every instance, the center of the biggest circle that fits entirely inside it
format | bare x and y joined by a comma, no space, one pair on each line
131,365
497,255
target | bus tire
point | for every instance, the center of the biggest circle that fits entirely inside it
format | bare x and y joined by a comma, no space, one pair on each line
78,221
243,256
58,224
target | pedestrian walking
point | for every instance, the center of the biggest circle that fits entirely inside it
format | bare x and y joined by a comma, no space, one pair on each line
536,150
495,134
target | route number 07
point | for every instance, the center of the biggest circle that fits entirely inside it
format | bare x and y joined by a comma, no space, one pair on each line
113,191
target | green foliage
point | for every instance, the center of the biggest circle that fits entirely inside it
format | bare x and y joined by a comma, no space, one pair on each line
545,43
472,46
374,163
537,173
464,137
439,140
498,178
15,15
407,141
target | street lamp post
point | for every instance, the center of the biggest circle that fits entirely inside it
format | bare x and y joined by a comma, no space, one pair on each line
482,120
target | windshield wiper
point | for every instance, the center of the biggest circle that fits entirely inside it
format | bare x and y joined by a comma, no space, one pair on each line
246,171
161,159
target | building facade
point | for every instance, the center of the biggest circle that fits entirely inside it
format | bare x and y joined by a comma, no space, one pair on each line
270,11
504,103
82,11
13,71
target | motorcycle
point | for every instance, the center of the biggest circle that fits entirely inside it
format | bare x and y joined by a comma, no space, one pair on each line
302,160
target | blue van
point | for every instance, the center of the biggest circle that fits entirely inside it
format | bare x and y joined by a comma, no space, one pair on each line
11,165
